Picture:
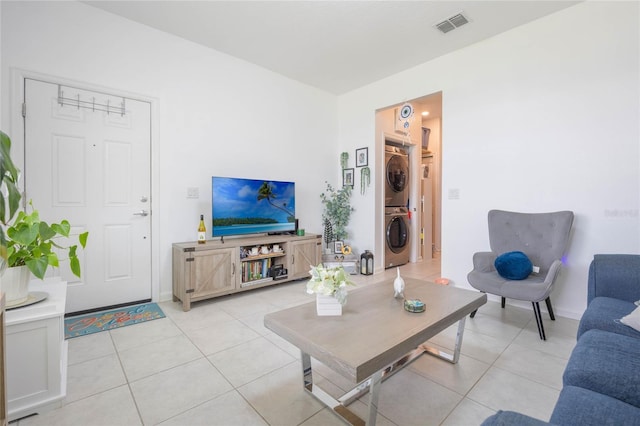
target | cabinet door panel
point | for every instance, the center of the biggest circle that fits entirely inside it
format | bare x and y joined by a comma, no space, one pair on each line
213,272
304,255
33,358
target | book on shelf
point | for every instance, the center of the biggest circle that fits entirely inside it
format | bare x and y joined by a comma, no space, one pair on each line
256,269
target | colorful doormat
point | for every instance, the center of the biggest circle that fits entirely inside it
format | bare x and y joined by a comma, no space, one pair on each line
108,320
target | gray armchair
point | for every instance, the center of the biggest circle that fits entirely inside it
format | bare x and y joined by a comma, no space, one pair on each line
543,237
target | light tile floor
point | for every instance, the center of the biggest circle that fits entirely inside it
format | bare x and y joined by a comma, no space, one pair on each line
218,365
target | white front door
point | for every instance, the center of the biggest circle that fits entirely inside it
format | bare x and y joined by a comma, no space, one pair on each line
92,167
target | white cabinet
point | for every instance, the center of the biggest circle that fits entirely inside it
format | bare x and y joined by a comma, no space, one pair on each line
36,356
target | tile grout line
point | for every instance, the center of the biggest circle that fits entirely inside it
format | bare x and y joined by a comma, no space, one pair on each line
133,397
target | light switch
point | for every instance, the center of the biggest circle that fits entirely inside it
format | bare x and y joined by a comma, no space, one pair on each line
193,192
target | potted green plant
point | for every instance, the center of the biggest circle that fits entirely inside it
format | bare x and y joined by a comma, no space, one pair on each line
337,209
29,245
9,192
31,242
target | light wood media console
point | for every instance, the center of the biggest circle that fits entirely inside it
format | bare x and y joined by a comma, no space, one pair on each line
204,271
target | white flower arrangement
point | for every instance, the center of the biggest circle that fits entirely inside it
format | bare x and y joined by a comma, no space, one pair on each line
329,282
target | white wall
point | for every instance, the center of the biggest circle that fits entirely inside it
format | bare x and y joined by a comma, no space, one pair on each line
216,115
541,118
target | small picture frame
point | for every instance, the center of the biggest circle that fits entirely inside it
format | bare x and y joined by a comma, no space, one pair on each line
337,246
362,157
347,177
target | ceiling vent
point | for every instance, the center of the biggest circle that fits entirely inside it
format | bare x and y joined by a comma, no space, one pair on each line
452,23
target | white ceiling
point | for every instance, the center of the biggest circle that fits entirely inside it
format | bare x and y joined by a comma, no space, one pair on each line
336,46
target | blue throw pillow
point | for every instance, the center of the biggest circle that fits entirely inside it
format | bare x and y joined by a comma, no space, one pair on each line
514,265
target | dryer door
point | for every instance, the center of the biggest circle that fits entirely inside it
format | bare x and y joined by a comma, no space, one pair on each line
397,234
397,173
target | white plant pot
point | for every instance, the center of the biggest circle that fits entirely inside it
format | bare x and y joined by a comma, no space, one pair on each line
328,305
15,284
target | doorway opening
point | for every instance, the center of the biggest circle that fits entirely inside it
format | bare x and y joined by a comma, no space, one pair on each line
419,136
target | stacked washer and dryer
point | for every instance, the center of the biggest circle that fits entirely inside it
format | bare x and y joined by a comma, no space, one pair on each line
396,212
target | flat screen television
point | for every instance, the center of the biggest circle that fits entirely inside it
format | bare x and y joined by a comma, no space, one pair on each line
252,206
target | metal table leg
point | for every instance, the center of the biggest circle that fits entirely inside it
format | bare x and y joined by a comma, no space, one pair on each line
337,406
455,356
373,383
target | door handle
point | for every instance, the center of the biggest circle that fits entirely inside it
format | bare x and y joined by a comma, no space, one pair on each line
141,213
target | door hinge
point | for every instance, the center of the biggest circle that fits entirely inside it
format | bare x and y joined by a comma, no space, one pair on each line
189,259
189,249
191,290
24,109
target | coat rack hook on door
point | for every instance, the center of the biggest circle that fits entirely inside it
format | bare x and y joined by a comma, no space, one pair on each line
92,105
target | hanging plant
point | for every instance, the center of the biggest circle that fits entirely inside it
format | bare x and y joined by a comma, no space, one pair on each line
344,158
365,179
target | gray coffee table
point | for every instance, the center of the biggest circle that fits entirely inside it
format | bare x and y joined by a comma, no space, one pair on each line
374,337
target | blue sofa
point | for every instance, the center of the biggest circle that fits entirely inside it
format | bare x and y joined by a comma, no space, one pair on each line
601,383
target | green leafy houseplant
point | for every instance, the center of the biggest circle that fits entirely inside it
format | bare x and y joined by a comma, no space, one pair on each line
31,242
27,240
9,192
337,209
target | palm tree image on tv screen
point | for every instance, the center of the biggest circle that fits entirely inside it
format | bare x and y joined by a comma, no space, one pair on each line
252,206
